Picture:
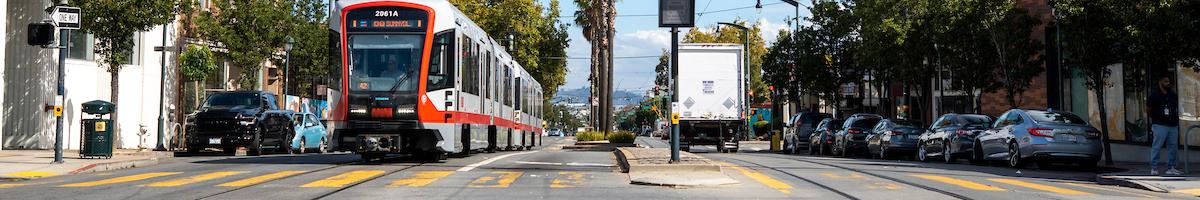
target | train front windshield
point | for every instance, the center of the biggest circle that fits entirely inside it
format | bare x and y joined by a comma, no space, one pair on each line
385,63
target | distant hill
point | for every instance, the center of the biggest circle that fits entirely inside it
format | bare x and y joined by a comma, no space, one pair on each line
580,95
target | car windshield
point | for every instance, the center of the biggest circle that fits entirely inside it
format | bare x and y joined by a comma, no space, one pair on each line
230,100
385,62
908,123
974,120
864,123
1055,117
834,124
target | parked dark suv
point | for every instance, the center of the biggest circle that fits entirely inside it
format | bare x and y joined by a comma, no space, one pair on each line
852,139
229,120
799,128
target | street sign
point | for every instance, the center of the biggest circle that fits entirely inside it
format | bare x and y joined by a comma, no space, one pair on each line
66,17
676,13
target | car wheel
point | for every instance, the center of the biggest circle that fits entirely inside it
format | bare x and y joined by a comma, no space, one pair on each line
255,147
323,148
811,150
302,148
977,155
947,157
193,149
883,154
1014,156
1088,165
921,153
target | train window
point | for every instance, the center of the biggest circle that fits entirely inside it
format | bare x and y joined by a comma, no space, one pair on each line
518,92
487,75
385,62
507,87
335,60
441,69
470,70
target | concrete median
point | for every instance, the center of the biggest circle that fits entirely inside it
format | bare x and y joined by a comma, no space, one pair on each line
651,166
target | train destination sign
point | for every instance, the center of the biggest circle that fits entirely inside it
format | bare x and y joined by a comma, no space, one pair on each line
386,19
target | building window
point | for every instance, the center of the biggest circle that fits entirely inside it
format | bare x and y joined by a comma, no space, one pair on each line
134,55
81,46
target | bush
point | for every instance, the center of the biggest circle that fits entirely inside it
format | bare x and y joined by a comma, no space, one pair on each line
589,136
621,137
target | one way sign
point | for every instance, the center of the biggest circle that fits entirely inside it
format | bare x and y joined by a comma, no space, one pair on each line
66,17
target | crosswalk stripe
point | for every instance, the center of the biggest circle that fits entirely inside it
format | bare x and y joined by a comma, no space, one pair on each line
260,179
1038,186
567,180
1108,189
192,179
420,179
959,182
122,179
345,178
501,179
762,178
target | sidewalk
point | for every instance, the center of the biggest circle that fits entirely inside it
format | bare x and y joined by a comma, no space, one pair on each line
33,164
651,166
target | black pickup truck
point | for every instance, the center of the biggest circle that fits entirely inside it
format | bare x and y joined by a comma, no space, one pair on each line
229,120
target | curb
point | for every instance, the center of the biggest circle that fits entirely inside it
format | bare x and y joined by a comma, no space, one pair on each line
99,167
1110,180
674,175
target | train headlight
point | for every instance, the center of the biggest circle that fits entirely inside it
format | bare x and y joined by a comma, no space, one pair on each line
360,111
405,110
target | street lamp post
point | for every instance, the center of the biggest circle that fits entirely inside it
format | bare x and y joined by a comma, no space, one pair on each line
287,62
745,71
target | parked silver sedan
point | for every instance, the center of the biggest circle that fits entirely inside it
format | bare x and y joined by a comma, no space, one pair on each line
1020,136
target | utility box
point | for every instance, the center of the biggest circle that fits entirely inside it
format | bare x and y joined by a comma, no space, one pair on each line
97,131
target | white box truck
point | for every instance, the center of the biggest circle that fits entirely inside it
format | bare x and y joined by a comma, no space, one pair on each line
711,95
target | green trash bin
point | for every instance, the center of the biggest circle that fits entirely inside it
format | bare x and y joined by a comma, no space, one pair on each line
98,131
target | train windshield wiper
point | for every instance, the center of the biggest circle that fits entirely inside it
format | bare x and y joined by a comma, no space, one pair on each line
398,83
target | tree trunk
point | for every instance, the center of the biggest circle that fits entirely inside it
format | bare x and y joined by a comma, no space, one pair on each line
1104,124
114,84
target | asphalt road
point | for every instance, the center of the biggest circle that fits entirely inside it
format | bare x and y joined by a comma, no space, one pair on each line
548,172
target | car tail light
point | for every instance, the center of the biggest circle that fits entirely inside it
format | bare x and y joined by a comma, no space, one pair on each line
962,132
1041,132
854,131
895,133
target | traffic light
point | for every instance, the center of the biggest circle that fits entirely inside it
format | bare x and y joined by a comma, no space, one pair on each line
40,34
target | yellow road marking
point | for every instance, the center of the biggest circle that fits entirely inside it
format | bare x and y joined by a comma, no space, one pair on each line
345,178
848,176
1038,186
1193,191
31,174
421,179
1114,190
10,185
501,179
260,179
567,180
762,178
959,182
122,179
193,179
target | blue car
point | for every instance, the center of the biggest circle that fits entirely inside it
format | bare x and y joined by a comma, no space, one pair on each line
310,134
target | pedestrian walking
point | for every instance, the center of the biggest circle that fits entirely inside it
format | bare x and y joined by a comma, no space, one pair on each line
1163,107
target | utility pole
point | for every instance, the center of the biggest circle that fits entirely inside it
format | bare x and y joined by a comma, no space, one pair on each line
162,83
674,71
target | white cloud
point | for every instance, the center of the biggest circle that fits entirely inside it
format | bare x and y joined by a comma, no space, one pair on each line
770,31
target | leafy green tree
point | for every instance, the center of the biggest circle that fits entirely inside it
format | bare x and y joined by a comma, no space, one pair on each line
195,64
253,32
310,60
113,24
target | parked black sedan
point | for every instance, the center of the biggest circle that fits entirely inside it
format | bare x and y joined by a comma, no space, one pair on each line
952,136
821,138
852,139
893,137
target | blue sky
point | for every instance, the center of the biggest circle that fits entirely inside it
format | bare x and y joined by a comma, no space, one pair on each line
640,36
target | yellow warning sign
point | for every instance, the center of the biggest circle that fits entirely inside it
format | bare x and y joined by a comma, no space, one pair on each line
101,126
58,111
674,118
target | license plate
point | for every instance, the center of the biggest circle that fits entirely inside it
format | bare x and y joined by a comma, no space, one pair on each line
1068,138
214,140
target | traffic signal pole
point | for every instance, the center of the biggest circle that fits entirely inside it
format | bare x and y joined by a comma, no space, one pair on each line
674,96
